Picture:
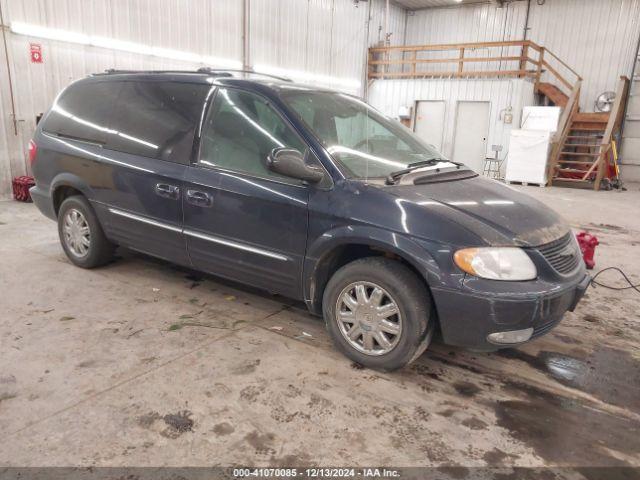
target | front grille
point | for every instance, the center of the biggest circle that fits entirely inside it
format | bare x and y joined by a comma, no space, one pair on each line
562,254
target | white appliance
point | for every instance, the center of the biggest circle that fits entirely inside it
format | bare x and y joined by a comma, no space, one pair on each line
540,118
528,153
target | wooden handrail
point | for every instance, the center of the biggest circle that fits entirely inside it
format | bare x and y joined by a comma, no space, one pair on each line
381,62
564,126
453,74
451,46
560,78
617,111
447,60
539,64
564,64
534,45
613,124
600,166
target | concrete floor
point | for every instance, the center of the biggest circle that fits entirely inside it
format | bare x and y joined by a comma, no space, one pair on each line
140,363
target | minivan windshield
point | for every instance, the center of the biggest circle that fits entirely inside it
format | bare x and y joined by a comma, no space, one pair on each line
365,143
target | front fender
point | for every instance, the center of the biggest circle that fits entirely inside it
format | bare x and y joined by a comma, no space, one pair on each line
431,259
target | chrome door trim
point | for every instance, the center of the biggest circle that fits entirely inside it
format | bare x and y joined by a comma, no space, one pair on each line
148,221
239,246
202,236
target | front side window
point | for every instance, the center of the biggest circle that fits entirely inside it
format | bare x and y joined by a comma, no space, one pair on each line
240,131
365,143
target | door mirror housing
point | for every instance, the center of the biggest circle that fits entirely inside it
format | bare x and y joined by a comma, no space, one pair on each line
290,163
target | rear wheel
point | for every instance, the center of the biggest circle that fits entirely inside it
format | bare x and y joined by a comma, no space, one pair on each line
81,235
377,312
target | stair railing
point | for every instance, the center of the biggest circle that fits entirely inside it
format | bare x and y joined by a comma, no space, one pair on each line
545,57
454,60
564,127
510,58
613,126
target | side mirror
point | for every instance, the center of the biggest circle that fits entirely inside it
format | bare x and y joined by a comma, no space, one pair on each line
290,163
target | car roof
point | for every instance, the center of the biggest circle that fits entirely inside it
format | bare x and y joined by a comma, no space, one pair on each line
231,78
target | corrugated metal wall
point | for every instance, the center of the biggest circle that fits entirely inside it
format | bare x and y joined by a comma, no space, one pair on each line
324,37
469,23
389,95
198,26
474,23
597,38
631,133
8,143
397,23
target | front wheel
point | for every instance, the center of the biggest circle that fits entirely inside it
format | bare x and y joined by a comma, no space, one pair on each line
377,312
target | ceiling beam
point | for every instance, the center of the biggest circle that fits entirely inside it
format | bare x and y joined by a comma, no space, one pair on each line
454,5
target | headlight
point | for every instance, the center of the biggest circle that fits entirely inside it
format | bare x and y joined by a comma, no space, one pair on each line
496,263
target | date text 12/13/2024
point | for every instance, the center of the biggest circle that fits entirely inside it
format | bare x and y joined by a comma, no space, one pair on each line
315,473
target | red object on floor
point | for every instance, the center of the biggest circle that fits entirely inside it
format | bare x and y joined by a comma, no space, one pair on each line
588,245
21,186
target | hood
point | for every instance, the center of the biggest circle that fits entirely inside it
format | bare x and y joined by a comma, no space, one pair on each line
499,214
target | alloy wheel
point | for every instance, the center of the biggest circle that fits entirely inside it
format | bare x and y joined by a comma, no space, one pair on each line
77,235
368,318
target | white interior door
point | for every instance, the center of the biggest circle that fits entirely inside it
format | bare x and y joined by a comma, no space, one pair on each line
429,122
471,133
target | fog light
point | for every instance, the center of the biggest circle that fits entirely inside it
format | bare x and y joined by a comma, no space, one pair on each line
514,336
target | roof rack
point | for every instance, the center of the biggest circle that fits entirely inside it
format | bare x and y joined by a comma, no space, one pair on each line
114,71
220,71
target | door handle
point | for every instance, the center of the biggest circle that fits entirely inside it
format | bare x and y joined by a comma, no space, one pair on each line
201,199
168,191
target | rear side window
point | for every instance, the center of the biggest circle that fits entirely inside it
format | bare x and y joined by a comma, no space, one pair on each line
157,119
82,111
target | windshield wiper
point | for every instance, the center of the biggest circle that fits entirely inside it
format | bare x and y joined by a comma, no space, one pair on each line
393,177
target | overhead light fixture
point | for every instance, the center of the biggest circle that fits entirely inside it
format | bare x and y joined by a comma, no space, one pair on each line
310,77
120,45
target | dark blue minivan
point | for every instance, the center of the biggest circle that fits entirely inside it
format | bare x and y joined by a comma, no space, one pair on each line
307,193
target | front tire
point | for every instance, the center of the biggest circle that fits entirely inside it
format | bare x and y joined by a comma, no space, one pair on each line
81,235
377,312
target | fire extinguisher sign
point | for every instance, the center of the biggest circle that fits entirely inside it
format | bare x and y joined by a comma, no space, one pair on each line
36,52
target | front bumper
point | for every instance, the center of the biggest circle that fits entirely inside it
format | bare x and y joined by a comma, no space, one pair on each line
468,316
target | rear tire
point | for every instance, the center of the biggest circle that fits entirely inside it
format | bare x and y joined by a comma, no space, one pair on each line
359,304
81,235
